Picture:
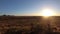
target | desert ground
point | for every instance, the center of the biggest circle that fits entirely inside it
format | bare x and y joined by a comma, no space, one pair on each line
29,25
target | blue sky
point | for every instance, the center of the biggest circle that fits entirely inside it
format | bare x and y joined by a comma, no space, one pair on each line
27,7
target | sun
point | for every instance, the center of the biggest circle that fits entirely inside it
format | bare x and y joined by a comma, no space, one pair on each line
47,12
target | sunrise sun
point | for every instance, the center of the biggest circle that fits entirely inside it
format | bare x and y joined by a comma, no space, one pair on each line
47,12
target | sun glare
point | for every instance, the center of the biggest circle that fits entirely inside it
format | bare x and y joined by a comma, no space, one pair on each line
47,12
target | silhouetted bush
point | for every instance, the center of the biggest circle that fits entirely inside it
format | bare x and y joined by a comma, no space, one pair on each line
4,15
10,31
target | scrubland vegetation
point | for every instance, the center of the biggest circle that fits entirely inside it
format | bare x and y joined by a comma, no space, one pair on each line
29,25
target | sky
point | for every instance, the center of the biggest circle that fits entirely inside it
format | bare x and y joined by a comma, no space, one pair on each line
27,7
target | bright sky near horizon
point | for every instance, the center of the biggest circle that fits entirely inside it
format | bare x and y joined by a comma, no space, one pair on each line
27,7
